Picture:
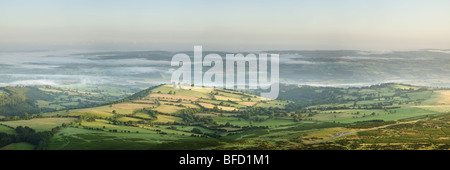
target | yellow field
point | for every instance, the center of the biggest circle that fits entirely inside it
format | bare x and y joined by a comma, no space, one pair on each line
226,98
247,103
174,97
190,105
443,97
207,105
439,103
226,108
127,108
168,108
166,118
39,124
202,90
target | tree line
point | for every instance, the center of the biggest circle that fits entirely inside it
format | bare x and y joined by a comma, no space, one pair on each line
29,135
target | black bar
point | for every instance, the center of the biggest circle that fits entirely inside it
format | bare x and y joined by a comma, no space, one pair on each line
276,158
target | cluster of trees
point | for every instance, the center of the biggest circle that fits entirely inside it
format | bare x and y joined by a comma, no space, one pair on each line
196,131
308,95
129,123
6,139
304,96
11,96
255,111
15,101
29,135
123,131
24,116
189,118
18,100
28,106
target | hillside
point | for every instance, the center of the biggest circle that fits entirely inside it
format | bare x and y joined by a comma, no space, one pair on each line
165,104
174,118
163,117
17,101
20,100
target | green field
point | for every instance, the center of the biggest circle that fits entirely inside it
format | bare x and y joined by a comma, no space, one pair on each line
276,103
39,124
6,129
18,146
346,116
163,117
278,130
82,139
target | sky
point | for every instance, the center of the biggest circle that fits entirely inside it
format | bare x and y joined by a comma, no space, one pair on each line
225,25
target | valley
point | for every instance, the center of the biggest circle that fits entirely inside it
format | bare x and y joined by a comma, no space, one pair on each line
385,116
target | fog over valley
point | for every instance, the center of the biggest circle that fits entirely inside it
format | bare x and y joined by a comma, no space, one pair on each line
145,68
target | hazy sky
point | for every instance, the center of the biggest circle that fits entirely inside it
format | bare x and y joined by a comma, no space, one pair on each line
225,25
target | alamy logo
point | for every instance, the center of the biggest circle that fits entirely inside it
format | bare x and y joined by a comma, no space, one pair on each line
235,73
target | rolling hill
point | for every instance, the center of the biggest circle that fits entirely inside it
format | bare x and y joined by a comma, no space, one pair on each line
164,117
17,101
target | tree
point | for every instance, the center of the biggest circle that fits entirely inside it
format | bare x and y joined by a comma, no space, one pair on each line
197,131
296,118
90,119
228,124
16,118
